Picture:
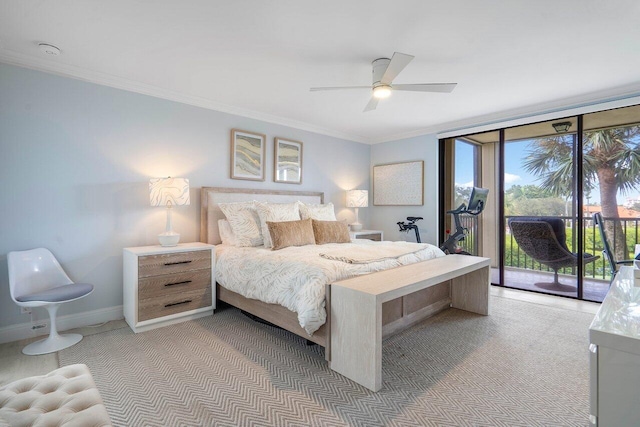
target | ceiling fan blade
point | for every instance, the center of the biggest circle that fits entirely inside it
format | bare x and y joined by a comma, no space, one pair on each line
315,89
427,87
373,103
397,64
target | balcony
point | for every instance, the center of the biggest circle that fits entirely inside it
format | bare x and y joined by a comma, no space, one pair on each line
522,272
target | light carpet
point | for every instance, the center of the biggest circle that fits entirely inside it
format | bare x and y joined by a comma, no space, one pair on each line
525,365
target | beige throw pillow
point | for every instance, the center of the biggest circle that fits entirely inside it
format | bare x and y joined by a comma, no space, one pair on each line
330,232
275,212
290,233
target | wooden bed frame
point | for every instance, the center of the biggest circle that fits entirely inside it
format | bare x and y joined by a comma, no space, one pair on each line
380,304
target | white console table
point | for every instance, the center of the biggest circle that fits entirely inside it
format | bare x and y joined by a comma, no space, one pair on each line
615,356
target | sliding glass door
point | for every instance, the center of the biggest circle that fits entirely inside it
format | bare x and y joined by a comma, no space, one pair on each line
611,177
467,176
539,184
546,182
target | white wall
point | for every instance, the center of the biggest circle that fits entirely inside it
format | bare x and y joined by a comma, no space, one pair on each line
75,162
385,217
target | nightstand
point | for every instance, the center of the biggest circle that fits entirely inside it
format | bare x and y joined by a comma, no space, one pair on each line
367,234
167,285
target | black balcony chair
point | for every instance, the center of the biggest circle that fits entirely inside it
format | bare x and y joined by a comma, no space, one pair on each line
607,251
544,240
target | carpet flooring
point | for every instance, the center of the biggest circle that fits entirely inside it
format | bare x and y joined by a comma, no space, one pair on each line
525,365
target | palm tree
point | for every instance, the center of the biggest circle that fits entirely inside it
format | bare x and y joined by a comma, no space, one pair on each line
611,164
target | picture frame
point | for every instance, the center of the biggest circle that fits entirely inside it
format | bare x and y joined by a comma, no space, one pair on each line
248,150
287,161
399,184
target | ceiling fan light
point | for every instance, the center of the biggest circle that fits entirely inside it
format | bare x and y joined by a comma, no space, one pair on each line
382,91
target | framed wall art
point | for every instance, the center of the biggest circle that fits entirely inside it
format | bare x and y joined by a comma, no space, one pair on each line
247,155
398,184
287,161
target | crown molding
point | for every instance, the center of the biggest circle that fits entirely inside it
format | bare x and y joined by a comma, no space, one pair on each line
104,79
605,99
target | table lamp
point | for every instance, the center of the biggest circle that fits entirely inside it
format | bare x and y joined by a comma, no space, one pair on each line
169,192
357,199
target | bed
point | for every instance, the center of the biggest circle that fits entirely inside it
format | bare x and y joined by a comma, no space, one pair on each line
369,307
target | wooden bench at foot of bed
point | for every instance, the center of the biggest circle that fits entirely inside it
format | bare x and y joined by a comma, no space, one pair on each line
364,309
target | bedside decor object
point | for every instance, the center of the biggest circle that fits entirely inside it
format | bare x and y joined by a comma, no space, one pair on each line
357,199
287,161
398,184
247,155
169,192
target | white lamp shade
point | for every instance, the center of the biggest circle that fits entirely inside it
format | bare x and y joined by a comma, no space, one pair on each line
169,192
357,198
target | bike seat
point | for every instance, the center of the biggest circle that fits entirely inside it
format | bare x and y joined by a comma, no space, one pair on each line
413,218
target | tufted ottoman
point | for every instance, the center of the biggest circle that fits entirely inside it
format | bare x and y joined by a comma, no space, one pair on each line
64,397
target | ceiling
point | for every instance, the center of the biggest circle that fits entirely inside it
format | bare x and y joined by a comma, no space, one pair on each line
259,58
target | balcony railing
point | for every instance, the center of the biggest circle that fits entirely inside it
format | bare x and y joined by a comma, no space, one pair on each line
516,258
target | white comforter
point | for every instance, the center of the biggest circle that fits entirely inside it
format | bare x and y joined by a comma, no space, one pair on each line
295,277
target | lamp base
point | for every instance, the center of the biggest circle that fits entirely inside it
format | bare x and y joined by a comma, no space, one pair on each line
356,226
169,238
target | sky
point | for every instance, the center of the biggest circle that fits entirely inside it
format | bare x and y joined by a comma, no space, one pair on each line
514,172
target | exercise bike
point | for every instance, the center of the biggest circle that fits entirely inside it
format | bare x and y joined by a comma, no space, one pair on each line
411,225
477,201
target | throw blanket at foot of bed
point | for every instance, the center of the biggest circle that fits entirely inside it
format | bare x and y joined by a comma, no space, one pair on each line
375,252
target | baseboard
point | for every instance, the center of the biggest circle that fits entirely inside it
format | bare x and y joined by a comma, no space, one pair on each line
23,330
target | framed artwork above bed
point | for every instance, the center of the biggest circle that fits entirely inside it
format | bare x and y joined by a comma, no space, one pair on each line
247,155
288,161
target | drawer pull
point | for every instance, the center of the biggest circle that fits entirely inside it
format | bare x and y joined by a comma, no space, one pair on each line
178,283
187,301
176,263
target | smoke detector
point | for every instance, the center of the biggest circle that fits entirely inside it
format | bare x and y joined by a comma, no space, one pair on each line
49,49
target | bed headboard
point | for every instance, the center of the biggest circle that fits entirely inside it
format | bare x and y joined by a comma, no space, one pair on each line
210,213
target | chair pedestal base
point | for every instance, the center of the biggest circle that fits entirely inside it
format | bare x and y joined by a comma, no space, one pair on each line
556,287
51,344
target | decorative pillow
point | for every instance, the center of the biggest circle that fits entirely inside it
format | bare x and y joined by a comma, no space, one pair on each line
244,222
291,233
226,233
319,212
275,212
330,232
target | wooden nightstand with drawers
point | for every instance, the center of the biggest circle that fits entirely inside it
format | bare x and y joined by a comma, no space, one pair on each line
166,285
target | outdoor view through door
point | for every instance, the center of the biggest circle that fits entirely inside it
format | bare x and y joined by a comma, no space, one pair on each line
552,177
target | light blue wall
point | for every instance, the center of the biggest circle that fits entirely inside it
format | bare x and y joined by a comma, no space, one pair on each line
75,160
385,217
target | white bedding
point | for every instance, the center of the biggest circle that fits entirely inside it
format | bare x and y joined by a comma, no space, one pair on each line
295,277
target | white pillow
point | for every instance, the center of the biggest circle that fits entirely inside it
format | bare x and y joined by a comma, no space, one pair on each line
226,233
244,221
317,212
275,212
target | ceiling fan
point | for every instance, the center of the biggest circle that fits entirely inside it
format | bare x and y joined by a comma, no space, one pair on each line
384,71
